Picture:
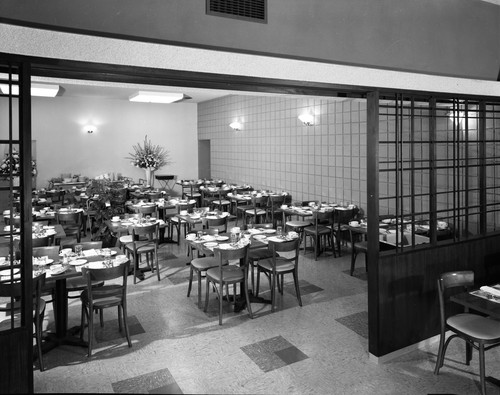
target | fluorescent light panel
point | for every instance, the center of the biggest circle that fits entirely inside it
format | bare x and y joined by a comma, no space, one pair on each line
156,97
42,90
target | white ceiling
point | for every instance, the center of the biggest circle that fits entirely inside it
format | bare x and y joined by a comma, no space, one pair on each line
122,91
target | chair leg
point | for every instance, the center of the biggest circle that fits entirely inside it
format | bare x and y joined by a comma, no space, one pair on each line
297,288
354,254
220,302
249,306
125,323
207,294
199,288
190,280
481,368
38,334
273,291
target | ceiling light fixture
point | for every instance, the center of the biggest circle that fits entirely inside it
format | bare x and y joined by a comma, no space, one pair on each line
156,97
307,118
42,90
235,125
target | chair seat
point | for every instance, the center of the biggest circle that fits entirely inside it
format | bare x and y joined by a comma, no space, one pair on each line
104,302
125,239
141,247
230,274
476,326
322,230
202,264
252,212
221,202
261,253
298,224
281,266
78,284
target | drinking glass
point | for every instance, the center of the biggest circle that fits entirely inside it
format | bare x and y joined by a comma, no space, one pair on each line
199,234
216,232
279,231
78,250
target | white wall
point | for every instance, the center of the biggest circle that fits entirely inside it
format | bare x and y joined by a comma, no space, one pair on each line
64,146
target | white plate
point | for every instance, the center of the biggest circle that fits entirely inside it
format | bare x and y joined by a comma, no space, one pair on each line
259,237
222,238
78,262
208,238
269,230
57,270
211,244
49,227
100,252
387,221
96,265
115,220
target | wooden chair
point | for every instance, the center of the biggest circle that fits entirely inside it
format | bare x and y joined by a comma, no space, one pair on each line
478,332
222,203
148,247
12,289
340,226
72,223
274,209
176,222
78,284
225,275
358,245
320,232
258,210
193,192
149,209
277,266
209,194
41,241
154,196
100,298
56,197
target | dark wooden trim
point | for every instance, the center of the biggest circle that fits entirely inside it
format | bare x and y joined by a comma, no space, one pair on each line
372,171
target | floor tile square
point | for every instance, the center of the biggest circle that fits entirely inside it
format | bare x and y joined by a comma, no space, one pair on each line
159,382
357,322
273,353
305,288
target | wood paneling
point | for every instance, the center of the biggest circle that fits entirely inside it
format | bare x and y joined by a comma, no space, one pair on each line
407,288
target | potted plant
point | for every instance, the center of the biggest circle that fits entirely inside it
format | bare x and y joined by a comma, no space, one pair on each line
107,199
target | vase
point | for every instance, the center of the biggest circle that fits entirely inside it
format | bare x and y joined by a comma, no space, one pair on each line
150,179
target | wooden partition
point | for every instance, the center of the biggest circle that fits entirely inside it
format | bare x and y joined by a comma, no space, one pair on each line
408,309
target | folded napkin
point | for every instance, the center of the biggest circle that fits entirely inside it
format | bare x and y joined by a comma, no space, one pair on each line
490,290
90,252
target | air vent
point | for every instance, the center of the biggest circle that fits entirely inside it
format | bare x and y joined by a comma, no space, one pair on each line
249,10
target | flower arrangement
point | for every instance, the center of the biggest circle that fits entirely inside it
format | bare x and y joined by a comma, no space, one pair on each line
11,164
149,156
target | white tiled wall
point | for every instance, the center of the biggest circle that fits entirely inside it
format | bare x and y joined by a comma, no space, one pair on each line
274,150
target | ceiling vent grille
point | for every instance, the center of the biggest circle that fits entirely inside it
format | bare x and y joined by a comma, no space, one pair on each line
249,10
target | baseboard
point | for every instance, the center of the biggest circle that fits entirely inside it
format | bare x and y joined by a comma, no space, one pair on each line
398,353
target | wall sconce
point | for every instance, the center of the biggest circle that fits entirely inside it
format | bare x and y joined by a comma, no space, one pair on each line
307,118
235,125
90,129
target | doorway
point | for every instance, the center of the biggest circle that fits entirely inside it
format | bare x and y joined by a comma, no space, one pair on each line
204,163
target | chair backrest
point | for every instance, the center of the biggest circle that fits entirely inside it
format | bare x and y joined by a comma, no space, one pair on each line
41,241
148,209
217,223
460,280
342,217
69,218
89,245
12,288
227,255
153,196
323,218
98,275
51,251
149,230
56,196
284,246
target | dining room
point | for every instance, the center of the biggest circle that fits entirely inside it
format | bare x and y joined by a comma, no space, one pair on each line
316,146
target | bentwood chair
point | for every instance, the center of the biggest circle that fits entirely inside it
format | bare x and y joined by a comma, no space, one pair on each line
478,332
49,288
12,289
340,226
358,245
258,211
320,232
224,275
277,266
274,209
78,284
100,298
145,241
72,223
176,222
222,203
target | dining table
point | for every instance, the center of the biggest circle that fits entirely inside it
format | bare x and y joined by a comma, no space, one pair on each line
257,237
55,232
57,272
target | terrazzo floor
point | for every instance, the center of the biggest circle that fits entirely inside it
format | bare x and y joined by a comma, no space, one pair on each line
319,348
